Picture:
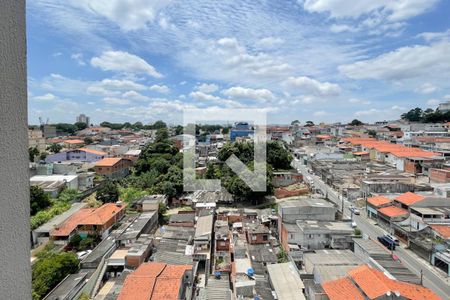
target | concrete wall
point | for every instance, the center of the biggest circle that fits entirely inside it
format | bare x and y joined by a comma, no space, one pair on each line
15,272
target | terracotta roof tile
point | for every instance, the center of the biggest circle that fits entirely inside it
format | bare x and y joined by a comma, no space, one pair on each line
379,201
342,289
154,281
442,230
108,162
92,151
74,142
409,198
88,216
393,211
372,286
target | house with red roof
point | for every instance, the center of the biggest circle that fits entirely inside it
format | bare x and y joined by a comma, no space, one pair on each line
90,221
407,199
375,203
364,282
113,167
158,281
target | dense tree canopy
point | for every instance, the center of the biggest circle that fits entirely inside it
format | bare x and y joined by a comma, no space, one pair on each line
356,122
426,116
81,125
50,269
55,148
109,192
38,200
33,152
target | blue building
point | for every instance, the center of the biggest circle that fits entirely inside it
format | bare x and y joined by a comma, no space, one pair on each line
241,129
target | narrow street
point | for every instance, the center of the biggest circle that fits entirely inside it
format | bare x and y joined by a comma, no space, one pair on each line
430,279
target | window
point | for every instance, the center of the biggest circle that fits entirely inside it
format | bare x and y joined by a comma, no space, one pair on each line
253,237
265,237
310,236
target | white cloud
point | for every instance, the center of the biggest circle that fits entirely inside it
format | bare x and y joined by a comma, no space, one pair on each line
111,87
78,57
49,97
115,101
202,97
358,101
320,113
269,42
207,88
394,10
226,59
433,102
163,89
125,62
398,107
369,112
337,28
135,96
308,85
435,36
56,54
247,93
403,63
447,97
427,88
129,14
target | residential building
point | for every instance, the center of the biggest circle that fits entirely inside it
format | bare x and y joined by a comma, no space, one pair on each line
36,139
158,281
375,203
49,131
182,219
132,155
256,233
311,235
113,167
365,282
286,282
240,130
53,184
82,154
82,118
94,221
150,203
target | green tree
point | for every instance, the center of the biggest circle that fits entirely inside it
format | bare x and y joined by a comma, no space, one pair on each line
50,270
108,193
356,122
32,153
295,122
159,124
225,130
372,133
39,200
178,129
75,241
88,140
55,148
80,125
282,256
309,123
137,126
43,155
414,115
161,135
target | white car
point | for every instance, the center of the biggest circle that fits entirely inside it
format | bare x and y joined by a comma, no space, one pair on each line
354,210
82,254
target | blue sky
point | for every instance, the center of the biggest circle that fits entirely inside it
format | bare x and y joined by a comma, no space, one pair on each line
320,60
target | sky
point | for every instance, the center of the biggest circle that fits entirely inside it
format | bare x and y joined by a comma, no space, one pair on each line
319,60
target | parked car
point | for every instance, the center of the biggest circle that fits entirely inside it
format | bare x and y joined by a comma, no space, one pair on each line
354,224
354,210
393,238
387,242
82,254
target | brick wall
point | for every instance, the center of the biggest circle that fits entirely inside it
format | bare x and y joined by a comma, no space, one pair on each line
283,193
439,175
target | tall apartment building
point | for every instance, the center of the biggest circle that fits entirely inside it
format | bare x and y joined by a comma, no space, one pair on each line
84,119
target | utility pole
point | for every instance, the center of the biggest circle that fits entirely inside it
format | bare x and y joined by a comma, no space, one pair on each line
421,276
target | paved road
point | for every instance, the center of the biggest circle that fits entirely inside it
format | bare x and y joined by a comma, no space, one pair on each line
430,279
